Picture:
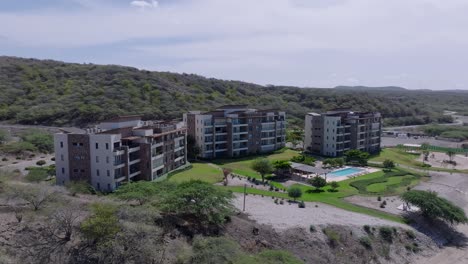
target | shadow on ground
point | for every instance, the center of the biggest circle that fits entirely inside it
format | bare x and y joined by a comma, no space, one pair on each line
441,232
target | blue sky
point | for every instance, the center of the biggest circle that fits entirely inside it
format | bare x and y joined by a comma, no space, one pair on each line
312,43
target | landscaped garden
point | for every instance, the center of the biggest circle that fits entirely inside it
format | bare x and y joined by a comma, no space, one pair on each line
378,183
243,166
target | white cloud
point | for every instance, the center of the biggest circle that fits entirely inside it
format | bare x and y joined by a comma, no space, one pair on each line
269,41
144,4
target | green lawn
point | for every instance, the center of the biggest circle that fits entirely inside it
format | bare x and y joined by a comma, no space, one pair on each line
199,171
242,166
382,186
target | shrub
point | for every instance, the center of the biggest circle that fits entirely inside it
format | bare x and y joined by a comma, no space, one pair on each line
294,192
41,162
410,234
312,228
366,242
367,229
301,204
36,175
379,198
18,157
4,159
52,159
281,202
333,237
386,233
103,224
382,205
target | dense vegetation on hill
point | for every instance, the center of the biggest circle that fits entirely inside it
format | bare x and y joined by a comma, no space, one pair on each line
57,93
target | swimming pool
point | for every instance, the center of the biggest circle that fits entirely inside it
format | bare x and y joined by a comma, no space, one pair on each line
344,172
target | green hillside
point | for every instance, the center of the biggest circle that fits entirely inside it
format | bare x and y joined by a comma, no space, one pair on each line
57,93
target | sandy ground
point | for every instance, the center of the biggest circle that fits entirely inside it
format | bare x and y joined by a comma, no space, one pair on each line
23,164
437,161
281,217
371,201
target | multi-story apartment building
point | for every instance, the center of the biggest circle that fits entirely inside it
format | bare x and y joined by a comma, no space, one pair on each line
120,150
236,130
334,132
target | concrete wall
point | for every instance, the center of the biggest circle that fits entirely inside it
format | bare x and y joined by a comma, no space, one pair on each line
62,170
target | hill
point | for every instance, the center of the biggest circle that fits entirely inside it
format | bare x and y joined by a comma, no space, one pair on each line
56,93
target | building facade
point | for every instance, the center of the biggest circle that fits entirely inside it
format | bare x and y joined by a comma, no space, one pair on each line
236,130
335,132
120,150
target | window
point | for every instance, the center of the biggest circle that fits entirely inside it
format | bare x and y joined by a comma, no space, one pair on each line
61,144
61,157
98,186
108,187
63,170
97,145
97,159
75,144
107,159
81,170
107,145
108,173
75,170
97,172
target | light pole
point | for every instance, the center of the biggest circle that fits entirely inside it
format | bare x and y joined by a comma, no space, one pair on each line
245,194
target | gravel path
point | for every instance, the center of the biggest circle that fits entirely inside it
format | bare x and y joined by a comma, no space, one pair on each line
281,217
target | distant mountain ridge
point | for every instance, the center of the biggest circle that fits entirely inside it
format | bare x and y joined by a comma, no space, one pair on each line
51,92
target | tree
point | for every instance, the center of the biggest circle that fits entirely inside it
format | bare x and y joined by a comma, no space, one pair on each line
426,155
294,192
63,222
34,195
262,166
282,166
358,156
103,224
434,207
451,155
340,162
141,191
334,185
389,164
318,182
207,203
43,141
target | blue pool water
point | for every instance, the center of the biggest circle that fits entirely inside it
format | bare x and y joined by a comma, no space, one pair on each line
344,172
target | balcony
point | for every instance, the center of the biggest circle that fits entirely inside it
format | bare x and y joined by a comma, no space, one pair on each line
134,161
179,148
133,149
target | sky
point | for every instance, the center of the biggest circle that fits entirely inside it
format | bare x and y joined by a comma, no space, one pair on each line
417,44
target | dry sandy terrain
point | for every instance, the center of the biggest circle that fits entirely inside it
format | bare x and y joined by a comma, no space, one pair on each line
281,217
371,201
23,164
437,161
